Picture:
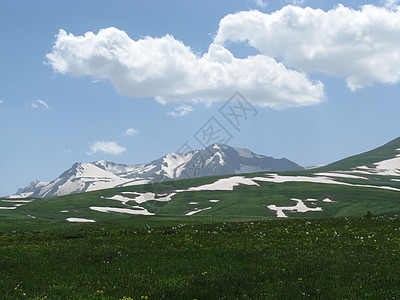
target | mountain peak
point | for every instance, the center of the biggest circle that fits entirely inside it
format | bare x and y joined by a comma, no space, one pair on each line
216,159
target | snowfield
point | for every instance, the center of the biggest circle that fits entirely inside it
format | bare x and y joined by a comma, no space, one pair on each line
388,167
299,207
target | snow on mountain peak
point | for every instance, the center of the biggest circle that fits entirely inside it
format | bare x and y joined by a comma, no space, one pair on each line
216,159
220,158
101,163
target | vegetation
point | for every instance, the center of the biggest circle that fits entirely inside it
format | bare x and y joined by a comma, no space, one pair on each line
174,258
243,201
365,159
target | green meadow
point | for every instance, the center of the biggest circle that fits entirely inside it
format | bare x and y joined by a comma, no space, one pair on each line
234,246
203,258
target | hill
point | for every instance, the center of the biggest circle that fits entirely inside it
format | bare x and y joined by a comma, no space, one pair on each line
351,187
382,160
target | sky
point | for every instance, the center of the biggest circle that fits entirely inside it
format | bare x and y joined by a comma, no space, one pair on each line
130,81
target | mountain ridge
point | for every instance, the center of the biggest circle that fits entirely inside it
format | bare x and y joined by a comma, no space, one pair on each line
216,159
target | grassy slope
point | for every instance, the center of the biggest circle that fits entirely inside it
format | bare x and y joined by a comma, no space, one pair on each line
368,158
243,201
287,259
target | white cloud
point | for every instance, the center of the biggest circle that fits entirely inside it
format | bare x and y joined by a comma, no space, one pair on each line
1,101
261,3
169,71
180,111
360,45
391,3
40,104
130,132
296,2
106,147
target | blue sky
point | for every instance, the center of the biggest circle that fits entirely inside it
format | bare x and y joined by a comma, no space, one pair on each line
323,78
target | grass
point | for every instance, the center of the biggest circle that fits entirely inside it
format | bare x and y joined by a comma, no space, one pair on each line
243,201
221,258
367,158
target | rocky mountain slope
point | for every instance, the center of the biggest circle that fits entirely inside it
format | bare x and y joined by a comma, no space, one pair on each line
216,159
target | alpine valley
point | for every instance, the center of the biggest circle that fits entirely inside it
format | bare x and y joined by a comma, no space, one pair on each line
218,181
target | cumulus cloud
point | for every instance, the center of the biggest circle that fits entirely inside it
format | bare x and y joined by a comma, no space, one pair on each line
40,104
130,132
106,148
180,111
169,71
360,45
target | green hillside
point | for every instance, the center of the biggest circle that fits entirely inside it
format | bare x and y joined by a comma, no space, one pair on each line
313,193
386,151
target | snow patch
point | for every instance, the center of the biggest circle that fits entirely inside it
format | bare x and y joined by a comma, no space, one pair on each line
340,175
213,201
225,184
81,220
137,211
18,201
282,179
197,210
8,207
299,207
172,161
319,179
216,154
327,200
18,196
141,197
388,167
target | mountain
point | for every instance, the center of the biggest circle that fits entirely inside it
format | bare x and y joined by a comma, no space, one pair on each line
384,160
216,159
368,182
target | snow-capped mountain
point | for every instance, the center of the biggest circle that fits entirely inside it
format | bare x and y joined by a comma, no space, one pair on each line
214,160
